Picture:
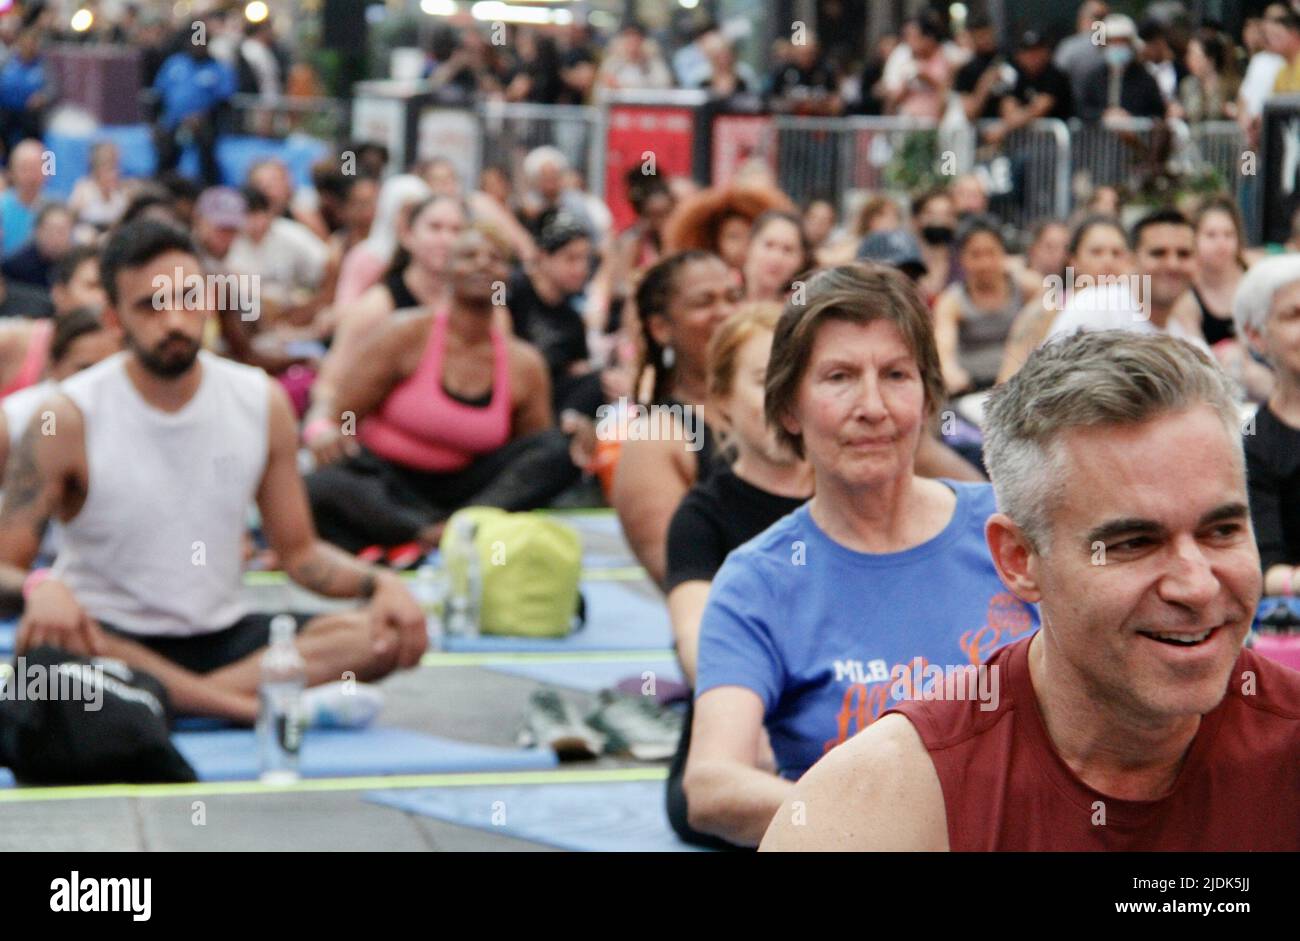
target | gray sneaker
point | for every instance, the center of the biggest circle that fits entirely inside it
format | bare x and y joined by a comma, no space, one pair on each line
637,726
557,725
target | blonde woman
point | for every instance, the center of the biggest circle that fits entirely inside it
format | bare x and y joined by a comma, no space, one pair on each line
763,483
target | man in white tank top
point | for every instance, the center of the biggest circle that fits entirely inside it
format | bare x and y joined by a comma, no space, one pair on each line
156,454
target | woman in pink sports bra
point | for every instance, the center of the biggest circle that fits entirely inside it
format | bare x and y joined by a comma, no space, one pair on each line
417,277
24,349
448,411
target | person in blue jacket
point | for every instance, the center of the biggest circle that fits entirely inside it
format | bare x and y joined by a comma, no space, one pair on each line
25,91
192,86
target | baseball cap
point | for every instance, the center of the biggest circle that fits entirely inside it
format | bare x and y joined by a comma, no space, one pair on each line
1031,39
1119,26
897,248
222,206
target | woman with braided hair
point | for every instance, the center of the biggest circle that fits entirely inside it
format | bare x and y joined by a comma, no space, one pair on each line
680,302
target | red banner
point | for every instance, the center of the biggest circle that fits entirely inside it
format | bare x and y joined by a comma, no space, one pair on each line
738,138
637,135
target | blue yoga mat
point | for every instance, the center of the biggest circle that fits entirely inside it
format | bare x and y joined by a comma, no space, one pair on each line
620,816
591,676
620,616
603,545
231,754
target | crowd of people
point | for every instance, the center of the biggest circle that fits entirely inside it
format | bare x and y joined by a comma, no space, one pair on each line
1163,66
369,352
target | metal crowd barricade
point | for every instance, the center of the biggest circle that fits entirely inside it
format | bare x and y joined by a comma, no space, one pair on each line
833,157
1028,173
512,129
1218,148
325,118
1126,152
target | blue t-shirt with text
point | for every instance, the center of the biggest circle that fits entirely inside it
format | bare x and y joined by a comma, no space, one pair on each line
817,630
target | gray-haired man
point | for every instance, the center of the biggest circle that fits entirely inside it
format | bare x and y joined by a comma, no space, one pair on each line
1133,720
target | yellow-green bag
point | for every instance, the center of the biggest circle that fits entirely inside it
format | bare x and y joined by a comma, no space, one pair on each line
529,566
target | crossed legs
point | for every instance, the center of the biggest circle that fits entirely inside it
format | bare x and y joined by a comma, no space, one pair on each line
331,645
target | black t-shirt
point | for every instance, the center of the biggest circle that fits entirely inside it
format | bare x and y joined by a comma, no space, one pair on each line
820,77
968,77
1051,81
28,266
547,86
742,86
558,330
1273,477
714,517
23,300
1139,94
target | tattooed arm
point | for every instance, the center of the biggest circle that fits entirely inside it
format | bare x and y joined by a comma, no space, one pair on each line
45,470
318,566
40,470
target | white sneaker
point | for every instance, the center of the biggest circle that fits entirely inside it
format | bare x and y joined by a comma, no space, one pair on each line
341,705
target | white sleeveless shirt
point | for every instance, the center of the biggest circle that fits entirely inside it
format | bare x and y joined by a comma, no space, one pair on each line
157,549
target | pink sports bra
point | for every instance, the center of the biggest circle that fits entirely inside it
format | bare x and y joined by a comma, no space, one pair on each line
421,427
33,365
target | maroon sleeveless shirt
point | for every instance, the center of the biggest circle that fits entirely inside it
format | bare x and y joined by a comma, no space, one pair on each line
1006,788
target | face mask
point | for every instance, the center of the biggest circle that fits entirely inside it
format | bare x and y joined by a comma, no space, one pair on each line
1119,55
936,234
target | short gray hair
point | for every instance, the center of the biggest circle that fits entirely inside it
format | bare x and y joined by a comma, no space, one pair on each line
1254,298
1107,377
540,157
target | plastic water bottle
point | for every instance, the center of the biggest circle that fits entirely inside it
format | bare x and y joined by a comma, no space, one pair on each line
280,724
462,608
430,592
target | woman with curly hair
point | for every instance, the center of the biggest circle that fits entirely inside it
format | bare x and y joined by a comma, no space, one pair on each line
719,220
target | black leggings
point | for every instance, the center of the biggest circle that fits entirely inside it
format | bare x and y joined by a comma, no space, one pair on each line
366,500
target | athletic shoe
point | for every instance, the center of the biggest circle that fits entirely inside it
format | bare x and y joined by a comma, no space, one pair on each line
554,723
342,705
637,726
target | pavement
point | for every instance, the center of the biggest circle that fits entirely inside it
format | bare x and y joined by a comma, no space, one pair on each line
467,702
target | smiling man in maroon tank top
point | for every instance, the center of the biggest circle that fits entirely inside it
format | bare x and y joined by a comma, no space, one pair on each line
151,459
1133,720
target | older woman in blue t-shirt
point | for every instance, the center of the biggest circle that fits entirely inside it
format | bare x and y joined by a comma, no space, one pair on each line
855,599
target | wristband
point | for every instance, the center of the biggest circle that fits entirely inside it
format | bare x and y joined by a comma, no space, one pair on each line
315,427
34,578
